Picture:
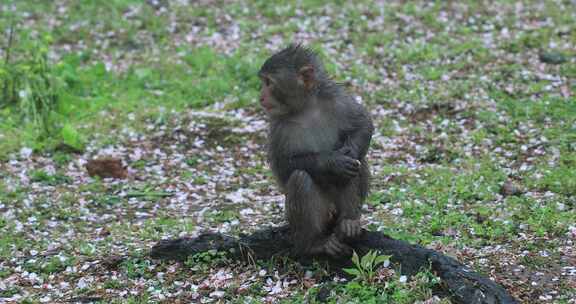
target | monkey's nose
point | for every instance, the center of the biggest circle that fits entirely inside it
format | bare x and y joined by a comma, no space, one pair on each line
263,102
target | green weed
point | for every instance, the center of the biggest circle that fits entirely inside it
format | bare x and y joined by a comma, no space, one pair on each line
365,268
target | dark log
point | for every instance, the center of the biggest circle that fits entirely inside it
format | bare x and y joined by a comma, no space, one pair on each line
463,285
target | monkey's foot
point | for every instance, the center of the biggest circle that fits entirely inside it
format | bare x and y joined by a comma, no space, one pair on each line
349,229
333,247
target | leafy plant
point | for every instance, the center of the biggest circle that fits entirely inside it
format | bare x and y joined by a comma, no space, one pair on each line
205,260
71,137
33,90
42,176
28,80
136,267
365,268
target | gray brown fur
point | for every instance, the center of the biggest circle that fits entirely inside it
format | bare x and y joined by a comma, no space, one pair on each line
318,141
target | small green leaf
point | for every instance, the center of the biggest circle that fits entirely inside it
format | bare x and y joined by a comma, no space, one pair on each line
352,271
143,73
381,259
356,259
367,260
71,137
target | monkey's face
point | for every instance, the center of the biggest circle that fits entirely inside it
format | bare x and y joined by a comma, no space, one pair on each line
271,98
288,80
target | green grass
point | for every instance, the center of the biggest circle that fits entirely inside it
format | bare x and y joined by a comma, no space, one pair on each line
85,91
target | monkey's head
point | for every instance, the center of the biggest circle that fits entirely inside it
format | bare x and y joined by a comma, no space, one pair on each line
289,78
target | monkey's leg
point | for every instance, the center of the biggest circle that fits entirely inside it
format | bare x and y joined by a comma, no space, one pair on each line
349,200
310,216
348,204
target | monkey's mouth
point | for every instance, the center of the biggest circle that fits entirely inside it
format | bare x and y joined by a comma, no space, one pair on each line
266,107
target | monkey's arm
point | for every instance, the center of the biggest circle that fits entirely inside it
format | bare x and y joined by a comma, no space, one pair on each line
319,165
359,134
313,163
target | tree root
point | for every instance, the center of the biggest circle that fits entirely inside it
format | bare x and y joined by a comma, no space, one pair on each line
463,285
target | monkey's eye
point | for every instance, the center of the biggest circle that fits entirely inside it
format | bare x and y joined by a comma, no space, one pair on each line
267,81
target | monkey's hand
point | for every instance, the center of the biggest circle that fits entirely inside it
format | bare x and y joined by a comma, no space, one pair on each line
322,165
348,150
344,166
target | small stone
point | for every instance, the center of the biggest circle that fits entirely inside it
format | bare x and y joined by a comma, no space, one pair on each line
112,262
552,57
510,188
217,294
26,152
106,167
403,279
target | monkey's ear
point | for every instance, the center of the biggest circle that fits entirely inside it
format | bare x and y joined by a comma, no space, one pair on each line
306,75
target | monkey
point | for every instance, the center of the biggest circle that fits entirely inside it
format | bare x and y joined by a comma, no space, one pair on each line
318,139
